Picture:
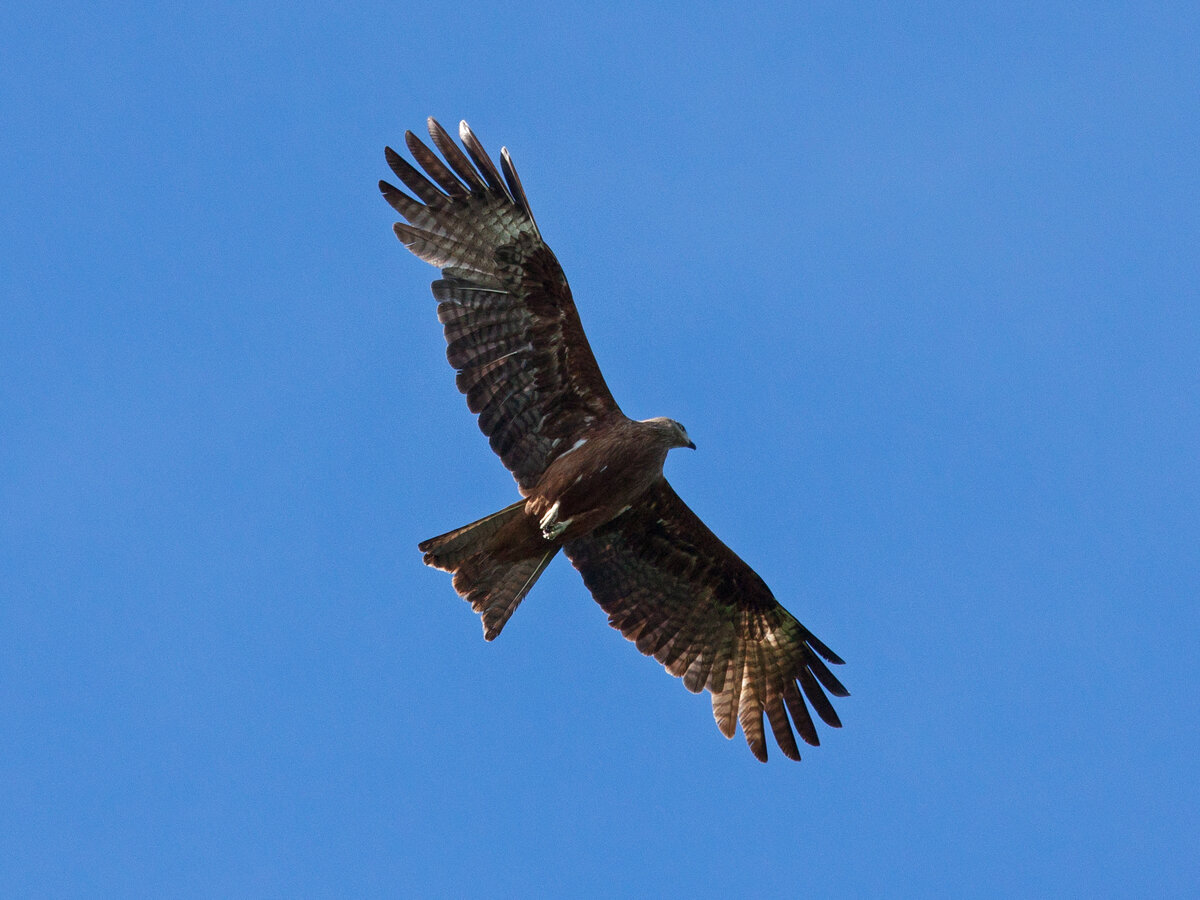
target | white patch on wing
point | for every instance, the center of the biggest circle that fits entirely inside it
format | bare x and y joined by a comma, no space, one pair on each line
579,443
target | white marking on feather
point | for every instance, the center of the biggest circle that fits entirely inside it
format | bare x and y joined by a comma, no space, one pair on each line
579,443
528,348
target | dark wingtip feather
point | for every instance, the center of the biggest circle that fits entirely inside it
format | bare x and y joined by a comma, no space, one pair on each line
483,162
759,749
454,156
398,200
782,729
516,188
828,680
414,180
817,698
812,641
392,156
800,716
434,167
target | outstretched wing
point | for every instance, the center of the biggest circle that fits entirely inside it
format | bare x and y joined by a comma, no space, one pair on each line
511,326
671,586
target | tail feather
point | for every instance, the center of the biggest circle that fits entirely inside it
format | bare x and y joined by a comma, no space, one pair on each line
447,550
504,596
495,562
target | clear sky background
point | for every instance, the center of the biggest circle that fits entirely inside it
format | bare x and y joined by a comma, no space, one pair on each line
923,286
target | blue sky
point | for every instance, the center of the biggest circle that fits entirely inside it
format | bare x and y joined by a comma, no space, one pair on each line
923,286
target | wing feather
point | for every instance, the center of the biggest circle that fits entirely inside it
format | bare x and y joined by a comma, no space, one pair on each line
696,676
751,713
482,161
437,170
828,679
512,331
731,697
800,715
412,178
443,250
411,209
515,187
455,157
671,586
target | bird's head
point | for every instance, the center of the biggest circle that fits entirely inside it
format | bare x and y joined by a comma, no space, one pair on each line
684,440
672,432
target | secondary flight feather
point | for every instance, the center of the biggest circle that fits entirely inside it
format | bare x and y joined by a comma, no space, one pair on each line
590,478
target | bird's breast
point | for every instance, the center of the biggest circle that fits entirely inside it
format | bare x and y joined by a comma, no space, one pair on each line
594,484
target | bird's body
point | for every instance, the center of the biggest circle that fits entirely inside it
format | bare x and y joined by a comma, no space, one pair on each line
591,479
602,474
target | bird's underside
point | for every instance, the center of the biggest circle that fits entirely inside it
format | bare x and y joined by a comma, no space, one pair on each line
590,478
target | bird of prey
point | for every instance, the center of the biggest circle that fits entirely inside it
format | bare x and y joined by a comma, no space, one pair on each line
591,479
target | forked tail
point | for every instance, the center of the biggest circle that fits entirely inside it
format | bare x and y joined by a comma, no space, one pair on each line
495,562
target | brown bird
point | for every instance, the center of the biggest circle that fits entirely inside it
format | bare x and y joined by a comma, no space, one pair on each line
591,478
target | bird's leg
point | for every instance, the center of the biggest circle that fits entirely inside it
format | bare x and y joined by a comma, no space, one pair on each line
551,527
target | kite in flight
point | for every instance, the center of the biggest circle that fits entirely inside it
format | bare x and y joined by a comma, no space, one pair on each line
591,478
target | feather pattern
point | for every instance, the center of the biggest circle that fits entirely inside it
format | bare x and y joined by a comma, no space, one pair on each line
671,586
512,330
